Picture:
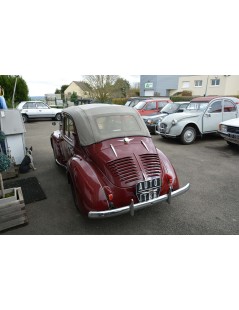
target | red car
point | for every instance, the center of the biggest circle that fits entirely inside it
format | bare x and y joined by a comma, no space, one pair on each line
111,162
151,106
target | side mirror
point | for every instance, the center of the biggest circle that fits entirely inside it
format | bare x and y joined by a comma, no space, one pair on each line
181,110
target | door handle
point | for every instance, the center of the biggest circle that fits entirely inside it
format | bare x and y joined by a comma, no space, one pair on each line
207,114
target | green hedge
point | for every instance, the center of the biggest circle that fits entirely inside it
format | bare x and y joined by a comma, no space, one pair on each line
181,98
120,101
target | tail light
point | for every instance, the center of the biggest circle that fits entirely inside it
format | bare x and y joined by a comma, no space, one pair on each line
109,193
169,179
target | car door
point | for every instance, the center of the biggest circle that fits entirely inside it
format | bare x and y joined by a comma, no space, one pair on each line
149,108
29,109
212,116
229,110
69,136
44,111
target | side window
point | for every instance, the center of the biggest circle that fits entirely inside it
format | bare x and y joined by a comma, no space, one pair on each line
162,104
216,107
229,106
29,105
150,106
41,105
69,128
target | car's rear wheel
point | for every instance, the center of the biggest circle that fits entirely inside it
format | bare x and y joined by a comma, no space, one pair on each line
231,144
58,117
24,118
188,135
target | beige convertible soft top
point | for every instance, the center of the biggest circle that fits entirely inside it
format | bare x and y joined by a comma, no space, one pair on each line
97,122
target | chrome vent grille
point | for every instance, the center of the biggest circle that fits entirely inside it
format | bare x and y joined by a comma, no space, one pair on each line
124,168
151,164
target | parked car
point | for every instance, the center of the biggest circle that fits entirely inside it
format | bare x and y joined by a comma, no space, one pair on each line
153,121
132,101
202,116
38,110
151,106
171,108
111,162
229,130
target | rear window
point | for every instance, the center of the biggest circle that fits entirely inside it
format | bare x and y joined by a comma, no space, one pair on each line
117,123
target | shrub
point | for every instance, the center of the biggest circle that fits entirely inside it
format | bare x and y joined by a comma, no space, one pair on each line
181,98
120,101
186,93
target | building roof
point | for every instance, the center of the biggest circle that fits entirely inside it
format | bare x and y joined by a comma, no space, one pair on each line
82,85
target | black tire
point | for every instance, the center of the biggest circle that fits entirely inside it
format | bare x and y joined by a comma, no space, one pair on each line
233,145
58,117
24,118
188,135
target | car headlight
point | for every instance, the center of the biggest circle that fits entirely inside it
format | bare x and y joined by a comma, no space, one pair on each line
174,122
223,128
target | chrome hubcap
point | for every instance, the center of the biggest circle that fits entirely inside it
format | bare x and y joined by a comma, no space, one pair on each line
189,136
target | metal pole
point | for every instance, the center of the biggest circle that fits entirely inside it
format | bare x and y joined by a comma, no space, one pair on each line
14,91
206,87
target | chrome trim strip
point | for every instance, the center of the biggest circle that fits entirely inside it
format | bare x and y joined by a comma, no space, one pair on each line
58,163
144,145
141,205
113,149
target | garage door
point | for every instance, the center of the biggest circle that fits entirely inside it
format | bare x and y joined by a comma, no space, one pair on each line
148,93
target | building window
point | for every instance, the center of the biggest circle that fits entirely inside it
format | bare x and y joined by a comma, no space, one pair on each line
215,82
186,84
198,83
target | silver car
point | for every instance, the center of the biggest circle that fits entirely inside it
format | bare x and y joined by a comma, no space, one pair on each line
38,110
229,130
202,116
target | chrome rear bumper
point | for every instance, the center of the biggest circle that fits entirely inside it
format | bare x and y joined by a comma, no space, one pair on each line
141,205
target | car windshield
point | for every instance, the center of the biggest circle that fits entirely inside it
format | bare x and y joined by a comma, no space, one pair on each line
197,106
170,108
128,103
140,105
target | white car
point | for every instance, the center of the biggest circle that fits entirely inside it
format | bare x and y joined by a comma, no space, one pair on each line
202,116
38,110
229,130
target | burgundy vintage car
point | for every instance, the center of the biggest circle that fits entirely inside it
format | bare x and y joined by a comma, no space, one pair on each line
111,162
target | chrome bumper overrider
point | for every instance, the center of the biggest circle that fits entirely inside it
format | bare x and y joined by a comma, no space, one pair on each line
141,205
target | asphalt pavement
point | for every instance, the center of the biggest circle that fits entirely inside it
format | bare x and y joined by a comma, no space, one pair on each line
210,207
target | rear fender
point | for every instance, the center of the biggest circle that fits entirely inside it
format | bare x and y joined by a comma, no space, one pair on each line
167,170
88,185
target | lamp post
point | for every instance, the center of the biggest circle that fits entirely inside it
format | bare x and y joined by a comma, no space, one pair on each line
206,87
14,90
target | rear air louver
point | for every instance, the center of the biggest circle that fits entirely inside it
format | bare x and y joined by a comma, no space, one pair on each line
124,168
151,164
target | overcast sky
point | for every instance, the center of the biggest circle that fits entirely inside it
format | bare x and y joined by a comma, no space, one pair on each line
39,86
50,44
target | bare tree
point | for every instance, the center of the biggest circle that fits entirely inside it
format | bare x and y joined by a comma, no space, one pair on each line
101,86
